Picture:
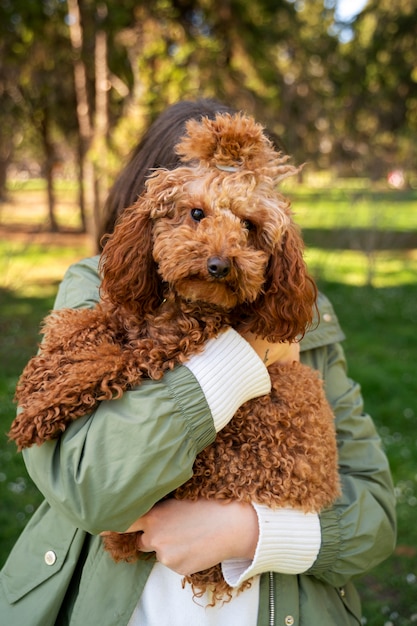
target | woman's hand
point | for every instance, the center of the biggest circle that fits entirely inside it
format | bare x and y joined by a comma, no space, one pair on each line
283,352
190,536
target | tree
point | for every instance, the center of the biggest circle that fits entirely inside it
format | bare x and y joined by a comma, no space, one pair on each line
378,86
35,93
94,73
84,115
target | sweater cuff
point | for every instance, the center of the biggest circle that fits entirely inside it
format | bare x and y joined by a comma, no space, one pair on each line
289,542
229,372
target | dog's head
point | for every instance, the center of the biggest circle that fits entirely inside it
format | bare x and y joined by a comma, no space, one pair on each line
215,230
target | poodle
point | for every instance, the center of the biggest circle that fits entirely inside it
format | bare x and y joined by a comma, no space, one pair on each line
208,245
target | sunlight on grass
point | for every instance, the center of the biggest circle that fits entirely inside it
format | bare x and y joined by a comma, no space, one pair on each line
344,207
352,267
31,268
26,206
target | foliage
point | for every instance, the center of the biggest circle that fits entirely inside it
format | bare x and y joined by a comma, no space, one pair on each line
378,85
349,105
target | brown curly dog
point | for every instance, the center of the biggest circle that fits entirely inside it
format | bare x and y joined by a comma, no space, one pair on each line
209,244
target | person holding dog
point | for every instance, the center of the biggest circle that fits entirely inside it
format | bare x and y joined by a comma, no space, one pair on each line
108,473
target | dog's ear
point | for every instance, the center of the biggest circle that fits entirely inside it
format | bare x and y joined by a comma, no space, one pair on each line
130,278
285,309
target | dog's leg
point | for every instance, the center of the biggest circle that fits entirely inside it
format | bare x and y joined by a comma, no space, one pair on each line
122,546
79,365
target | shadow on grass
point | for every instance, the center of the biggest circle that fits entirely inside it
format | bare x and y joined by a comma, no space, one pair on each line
363,239
20,318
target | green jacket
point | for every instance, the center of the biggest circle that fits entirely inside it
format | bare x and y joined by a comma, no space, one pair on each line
58,573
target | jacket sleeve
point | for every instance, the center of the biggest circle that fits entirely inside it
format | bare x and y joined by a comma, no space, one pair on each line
110,467
359,531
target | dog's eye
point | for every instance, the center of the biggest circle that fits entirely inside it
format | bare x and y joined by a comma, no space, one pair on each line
197,214
248,225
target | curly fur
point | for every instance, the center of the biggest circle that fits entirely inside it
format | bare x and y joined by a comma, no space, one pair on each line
208,245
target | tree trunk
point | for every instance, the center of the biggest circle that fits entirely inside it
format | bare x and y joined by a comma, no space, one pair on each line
86,182
82,177
101,126
6,151
4,163
49,152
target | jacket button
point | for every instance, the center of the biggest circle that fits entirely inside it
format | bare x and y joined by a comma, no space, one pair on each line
289,620
327,317
50,557
342,592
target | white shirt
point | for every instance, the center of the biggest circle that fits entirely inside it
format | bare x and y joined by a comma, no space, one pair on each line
165,603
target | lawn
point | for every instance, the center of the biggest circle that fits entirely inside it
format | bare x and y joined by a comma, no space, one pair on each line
374,293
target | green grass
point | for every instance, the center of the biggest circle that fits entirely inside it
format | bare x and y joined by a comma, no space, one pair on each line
389,210
19,321
379,320
33,268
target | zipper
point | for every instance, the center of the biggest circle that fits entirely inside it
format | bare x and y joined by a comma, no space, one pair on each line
271,600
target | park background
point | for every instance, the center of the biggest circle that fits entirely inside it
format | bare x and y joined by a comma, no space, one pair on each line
81,79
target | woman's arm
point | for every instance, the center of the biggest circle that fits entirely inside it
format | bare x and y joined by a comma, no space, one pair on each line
110,467
347,539
359,531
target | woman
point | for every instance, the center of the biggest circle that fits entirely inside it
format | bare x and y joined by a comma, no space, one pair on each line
110,471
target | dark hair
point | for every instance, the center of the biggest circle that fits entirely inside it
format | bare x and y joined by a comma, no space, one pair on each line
155,149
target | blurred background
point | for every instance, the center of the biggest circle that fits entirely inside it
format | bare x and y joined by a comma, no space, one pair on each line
80,80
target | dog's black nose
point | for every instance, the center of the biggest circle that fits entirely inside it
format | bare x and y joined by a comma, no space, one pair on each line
218,267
